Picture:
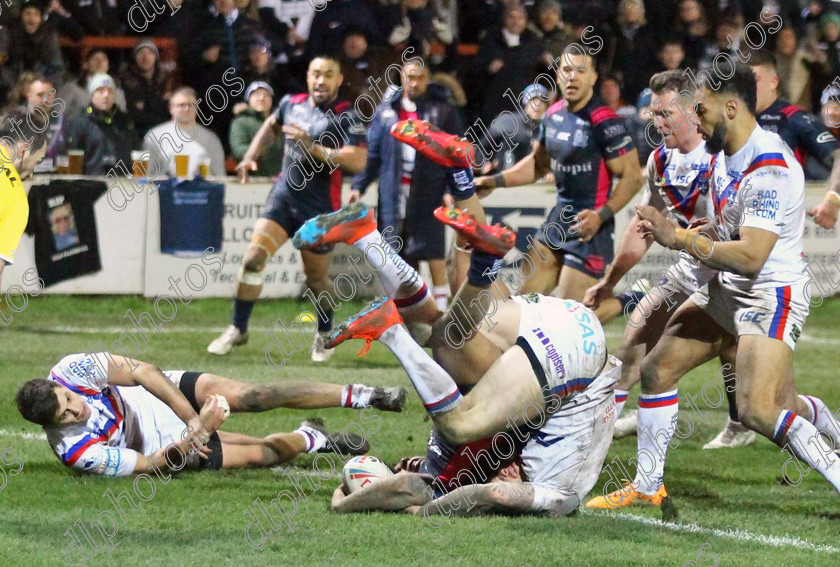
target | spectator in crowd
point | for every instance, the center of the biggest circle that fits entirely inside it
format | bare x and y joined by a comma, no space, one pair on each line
610,91
508,58
7,76
246,124
176,20
360,62
410,185
631,47
287,23
41,101
222,42
147,87
62,20
693,28
415,23
76,94
645,136
794,65
549,24
329,25
17,94
534,100
34,45
183,135
728,26
99,17
102,131
671,54
261,67
826,50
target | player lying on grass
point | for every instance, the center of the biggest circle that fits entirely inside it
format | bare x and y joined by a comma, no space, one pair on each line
120,421
558,344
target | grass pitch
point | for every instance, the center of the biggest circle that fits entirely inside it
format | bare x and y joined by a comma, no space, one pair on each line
731,507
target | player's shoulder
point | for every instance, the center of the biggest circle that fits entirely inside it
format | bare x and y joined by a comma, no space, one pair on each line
79,372
555,108
601,114
295,98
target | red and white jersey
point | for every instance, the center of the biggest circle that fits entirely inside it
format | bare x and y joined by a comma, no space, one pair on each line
679,183
763,187
124,420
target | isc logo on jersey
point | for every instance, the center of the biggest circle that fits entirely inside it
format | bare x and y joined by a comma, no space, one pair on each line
362,471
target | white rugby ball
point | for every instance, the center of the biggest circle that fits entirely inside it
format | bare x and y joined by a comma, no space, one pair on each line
362,471
223,403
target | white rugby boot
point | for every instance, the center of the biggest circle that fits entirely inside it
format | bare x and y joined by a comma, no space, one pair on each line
733,435
226,341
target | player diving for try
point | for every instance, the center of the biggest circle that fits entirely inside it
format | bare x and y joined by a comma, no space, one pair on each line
547,354
760,296
133,417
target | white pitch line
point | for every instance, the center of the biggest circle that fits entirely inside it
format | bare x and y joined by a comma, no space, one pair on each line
296,472
740,535
7,433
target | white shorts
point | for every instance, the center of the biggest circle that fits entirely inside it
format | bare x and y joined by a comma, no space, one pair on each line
775,312
563,460
564,342
686,276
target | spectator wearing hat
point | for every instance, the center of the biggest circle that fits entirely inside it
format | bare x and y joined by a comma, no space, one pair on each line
183,135
103,131
76,94
34,45
147,87
534,101
261,66
360,62
244,127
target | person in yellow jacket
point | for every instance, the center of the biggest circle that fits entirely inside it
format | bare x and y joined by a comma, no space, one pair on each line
21,148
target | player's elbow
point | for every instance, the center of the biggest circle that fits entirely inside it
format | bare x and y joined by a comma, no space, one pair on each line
751,268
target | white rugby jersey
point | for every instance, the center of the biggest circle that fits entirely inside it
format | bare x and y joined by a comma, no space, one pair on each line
123,419
680,182
763,187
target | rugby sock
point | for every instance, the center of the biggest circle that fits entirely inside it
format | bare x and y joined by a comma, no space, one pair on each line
441,293
733,409
356,396
823,419
325,323
460,182
620,400
313,438
242,313
629,296
484,267
798,435
657,420
435,387
401,282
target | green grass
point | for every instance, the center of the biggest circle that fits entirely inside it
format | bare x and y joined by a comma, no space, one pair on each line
197,518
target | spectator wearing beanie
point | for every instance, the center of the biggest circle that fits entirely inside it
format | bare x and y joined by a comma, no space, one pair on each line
103,131
243,128
147,87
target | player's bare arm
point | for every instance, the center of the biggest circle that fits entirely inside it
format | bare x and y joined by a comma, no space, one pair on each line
493,498
264,138
825,213
630,180
527,170
349,158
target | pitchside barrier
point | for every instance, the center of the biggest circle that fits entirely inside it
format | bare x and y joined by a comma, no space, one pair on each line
132,263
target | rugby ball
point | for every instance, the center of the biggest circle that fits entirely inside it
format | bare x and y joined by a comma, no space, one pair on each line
223,403
362,471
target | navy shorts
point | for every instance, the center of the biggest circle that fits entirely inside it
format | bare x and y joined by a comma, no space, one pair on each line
591,257
187,387
291,212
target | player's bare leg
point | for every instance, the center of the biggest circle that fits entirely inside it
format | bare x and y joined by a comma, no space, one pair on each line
735,434
245,397
548,264
457,265
573,284
440,285
267,239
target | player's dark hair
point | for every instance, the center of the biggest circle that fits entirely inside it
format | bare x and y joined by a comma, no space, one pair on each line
37,401
575,49
329,57
670,81
22,126
762,58
741,84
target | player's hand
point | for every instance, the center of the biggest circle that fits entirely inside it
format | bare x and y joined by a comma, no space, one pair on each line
697,223
589,224
410,464
596,294
656,225
484,185
825,214
243,167
212,416
298,134
211,54
354,195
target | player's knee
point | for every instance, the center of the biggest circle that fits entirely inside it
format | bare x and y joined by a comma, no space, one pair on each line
255,260
254,398
649,374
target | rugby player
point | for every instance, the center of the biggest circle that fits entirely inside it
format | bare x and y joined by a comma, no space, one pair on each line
321,133
585,144
109,415
759,296
21,149
805,135
678,178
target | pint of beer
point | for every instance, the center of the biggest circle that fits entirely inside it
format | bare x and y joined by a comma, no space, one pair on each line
76,162
139,163
182,163
62,164
204,168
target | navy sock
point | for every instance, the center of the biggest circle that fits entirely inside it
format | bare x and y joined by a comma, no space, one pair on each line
460,182
630,296
733,409
484,268
242,313
325,325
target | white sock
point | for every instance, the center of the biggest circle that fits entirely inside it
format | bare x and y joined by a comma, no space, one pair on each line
399,280
620,400
797,434
314,439
823,419
657,423
441,293
435,387
356,396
